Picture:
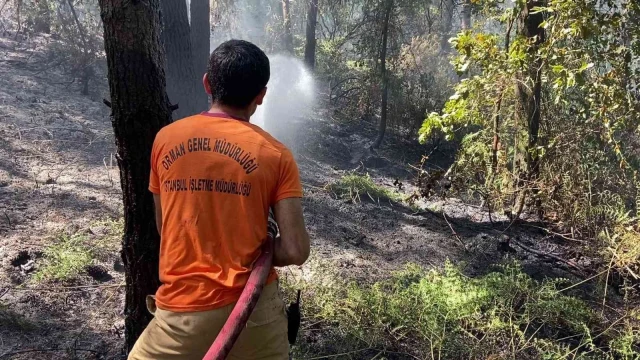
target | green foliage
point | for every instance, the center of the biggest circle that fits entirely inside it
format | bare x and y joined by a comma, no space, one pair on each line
586,146
443,314
625,345
65,259
112,231
421,80
621,245
354,187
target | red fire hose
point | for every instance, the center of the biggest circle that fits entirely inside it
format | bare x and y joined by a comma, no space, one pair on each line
245,305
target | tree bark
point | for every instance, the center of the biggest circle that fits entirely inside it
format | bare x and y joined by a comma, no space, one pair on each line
310,46
139,108
183,85
385,77
528,101
200,36
465,15
286,16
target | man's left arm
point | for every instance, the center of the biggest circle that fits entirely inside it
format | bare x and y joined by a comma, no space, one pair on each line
292,246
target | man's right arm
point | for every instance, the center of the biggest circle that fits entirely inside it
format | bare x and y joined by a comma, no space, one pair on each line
292,247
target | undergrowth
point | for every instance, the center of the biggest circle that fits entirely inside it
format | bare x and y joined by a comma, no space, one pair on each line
622,248
110,233
443,314
64,259
356,187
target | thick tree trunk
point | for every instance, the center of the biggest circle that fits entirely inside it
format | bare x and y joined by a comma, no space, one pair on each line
385,77
448,7
200,36
310,46
183,85
528,101
286,16
465,15
139,108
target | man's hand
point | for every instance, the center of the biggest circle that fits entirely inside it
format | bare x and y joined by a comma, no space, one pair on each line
292,247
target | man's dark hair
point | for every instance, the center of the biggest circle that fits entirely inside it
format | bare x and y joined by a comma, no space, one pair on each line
238,70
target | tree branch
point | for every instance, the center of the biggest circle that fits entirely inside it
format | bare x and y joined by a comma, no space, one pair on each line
549,255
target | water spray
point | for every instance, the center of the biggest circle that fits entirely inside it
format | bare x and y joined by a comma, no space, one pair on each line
289,101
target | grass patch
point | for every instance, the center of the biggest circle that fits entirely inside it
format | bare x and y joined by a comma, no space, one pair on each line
110,232
356,187
65,259
443,314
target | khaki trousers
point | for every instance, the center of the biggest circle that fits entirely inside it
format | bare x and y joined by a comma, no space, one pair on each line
188,336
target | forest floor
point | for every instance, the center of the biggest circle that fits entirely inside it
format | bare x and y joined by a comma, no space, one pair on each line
61,281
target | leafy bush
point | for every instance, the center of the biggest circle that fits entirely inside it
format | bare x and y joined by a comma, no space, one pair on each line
421,82
578,166
622,247
443,314
65,259
354,186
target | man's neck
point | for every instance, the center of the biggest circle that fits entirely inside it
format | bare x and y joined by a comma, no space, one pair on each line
233,112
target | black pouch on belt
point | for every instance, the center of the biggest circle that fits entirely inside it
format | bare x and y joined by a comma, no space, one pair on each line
293,316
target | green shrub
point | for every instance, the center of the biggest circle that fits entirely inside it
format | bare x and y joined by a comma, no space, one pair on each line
443,314
354,186
625,345
622,248
65,259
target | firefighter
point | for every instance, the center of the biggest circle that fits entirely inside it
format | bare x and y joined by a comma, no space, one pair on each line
214,177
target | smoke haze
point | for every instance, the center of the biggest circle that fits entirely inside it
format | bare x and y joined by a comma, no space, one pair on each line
290,98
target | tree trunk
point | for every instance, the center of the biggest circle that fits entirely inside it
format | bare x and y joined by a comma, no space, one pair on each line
200,36
310,46
385,77
528,101
446,24
139,108
495,147
183,85
286,16
43,17
87,52
465,15
18,5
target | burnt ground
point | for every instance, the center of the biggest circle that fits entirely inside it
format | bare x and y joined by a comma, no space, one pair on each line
58,176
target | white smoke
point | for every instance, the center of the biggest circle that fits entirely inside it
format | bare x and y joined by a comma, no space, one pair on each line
290,98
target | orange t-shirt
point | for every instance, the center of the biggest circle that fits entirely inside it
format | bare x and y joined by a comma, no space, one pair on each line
217,177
